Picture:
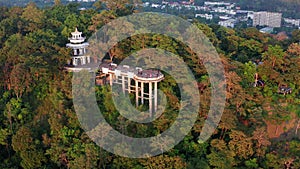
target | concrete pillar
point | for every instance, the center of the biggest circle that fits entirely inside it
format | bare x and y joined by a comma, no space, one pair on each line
83,60
150,99
75,52
123,84
142,92
74,61
136,93
155,96
110,79
129,80
88,59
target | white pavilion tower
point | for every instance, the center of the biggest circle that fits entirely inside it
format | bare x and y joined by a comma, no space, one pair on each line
78,46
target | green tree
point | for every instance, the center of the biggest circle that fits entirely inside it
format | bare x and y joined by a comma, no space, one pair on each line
252,163
24,143
249,71
33,16
221,157
273,161
273,55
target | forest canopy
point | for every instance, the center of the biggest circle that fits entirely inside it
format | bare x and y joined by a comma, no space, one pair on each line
38,123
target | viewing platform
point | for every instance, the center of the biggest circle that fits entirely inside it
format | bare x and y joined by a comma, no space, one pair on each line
137,73
132,79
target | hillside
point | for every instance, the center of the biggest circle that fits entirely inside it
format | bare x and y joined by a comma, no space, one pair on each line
39,122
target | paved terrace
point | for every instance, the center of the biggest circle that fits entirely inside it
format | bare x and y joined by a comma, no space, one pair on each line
136,73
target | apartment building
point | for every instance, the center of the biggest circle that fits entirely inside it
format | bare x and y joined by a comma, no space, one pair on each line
270,19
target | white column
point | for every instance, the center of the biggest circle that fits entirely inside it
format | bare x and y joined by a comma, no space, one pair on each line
123,84
83,60
129,80
150,99
155,96
142,92
88,59
110,79
136,93
75,51
74,61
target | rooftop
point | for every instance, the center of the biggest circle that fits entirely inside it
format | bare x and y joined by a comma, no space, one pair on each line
136,73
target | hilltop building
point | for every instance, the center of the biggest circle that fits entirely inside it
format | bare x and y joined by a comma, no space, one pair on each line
78,47
143,83
80,59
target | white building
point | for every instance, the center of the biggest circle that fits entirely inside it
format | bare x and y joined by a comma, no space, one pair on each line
81,0
250,15
224,17
78,47
155,5
219,10
227,23
231,12
264,18
206,16
295,22
208,3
